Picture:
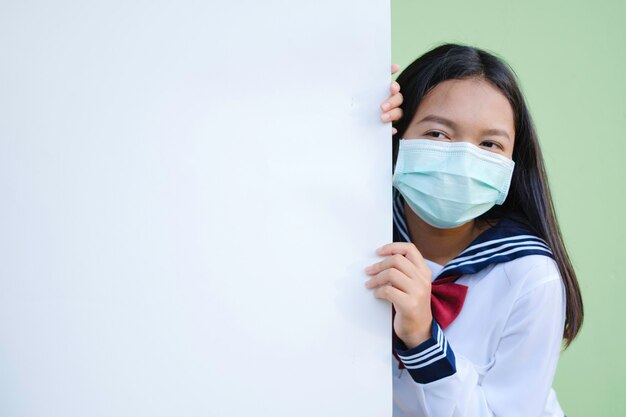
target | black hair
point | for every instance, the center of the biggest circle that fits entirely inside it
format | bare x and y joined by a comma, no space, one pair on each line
529,199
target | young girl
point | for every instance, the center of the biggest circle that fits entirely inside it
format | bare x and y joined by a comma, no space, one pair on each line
482,287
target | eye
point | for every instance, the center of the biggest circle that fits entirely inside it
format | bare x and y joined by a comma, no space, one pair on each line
434,133
494,144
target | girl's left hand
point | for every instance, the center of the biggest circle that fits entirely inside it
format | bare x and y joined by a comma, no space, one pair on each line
404,279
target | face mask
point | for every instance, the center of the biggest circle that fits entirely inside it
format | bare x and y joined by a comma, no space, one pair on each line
448,184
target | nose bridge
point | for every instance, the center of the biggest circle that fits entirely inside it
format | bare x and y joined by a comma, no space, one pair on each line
468,133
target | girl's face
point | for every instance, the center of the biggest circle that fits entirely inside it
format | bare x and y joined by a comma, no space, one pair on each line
470,110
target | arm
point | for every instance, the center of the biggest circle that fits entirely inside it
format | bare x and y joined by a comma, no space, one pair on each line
448,385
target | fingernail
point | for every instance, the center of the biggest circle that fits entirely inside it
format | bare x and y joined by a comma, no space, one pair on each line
386,106
386,116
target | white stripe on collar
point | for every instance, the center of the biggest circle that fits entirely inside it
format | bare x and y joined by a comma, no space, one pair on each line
534,240
492,242
488,258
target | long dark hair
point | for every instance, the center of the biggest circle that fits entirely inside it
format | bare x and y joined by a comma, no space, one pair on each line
529,199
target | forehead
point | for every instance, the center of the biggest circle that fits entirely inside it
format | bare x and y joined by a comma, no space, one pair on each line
471,101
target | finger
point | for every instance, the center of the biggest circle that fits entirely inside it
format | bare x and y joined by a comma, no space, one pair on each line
392,102
396,99
407,249
394,262
394,68
394,130
392,115
393,295
394,88
394,278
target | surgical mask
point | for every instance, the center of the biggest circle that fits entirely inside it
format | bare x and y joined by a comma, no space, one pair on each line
448,184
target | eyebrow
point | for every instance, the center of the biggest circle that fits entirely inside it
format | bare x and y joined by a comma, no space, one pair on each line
452,125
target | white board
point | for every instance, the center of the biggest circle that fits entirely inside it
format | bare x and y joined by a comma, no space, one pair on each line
190,192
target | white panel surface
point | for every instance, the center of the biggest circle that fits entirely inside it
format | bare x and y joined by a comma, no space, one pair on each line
190,191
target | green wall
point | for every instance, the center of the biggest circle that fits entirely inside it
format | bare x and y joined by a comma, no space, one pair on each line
570,58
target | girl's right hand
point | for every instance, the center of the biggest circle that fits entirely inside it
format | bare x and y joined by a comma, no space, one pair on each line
390,107
404,279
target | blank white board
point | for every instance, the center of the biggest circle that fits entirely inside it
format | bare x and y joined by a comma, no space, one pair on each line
190,192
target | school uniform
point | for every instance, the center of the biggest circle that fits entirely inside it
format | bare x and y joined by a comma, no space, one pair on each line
498,355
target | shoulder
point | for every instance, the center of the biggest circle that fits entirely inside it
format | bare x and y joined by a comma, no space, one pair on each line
538,300
531,272
530,263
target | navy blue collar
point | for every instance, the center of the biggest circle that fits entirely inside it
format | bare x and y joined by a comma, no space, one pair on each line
506,240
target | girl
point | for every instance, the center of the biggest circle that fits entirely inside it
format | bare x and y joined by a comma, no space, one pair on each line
482,287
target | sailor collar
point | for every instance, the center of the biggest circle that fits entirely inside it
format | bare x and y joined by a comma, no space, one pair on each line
507,240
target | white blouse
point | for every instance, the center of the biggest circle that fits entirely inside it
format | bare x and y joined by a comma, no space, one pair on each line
505,345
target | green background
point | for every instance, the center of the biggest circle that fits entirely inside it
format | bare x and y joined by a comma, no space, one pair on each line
570,59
